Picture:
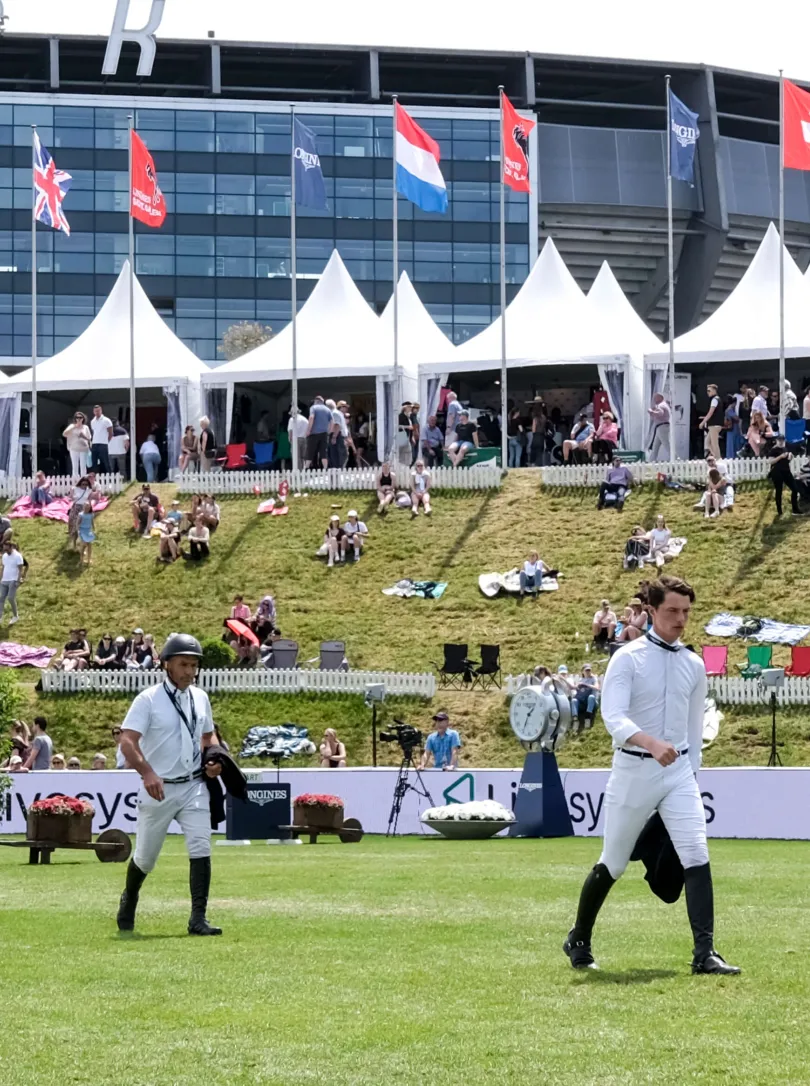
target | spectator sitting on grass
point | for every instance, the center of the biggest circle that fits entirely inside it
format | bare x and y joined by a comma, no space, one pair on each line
210,512
531,575
246,650
728,492
143,655
586,696
41,492
175,513
121,651
105,656
266,647
199,537
99,761
76,653
332,751
634,621
637,548
356,533
659,538
74,763
264,620
618,481
334,542
539,675
466,439
385,486
604,625
146,510
240,610
420,489
169,540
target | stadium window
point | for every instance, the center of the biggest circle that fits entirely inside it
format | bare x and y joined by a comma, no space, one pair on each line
235,205
196,265
74,137
22,135
235,142
195,141
40,115
151,120
194,120
204,328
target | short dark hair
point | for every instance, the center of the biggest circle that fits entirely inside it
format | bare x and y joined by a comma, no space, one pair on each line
41,722
658,590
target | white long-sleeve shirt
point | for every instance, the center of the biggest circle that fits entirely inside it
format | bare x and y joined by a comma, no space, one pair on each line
657,691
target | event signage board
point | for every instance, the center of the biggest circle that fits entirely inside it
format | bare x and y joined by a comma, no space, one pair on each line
258,819
739,802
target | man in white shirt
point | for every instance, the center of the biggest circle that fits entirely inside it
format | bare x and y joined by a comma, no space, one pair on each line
356,532
13,565
297,430
102,429
118,449
761,402
660,415
163,737
453,409
652,705
338,434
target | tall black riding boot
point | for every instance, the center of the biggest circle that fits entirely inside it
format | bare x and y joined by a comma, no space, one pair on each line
200,883
129,898
578,944
700,909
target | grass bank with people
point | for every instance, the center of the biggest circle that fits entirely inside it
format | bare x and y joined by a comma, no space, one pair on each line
746,562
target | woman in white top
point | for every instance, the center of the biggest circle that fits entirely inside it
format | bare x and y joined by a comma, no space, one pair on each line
198,540
356,533
420,489
531,574
78,438
659,539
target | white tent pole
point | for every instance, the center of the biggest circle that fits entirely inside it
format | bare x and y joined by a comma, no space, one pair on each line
34,456
133,444
781,253
504,427
670,282
293,299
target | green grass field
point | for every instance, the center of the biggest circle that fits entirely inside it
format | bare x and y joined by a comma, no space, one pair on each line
746,561
412,961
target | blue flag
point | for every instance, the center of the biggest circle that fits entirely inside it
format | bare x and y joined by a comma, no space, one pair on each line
310,190
683,137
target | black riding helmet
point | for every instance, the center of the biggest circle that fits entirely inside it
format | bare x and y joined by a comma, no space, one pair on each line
180,644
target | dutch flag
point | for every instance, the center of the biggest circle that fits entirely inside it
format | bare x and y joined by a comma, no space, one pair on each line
419,178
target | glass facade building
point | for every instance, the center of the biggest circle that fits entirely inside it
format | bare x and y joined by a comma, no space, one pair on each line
223,254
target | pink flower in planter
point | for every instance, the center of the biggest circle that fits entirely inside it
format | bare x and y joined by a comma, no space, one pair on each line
62,806
317,799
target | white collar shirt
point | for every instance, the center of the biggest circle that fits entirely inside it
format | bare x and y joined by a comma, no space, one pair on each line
760,404
166,740
101,427
658,691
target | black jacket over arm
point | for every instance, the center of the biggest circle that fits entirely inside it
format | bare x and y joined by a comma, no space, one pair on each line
232,777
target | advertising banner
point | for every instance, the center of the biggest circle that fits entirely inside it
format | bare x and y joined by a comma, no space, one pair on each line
746,803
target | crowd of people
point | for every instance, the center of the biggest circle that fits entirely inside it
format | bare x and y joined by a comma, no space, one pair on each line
749,419
172,525
32,749
138,652
582,691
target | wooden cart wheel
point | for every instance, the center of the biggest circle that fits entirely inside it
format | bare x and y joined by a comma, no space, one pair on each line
355,831
117,855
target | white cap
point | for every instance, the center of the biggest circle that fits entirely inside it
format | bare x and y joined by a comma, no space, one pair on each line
352,513
562,670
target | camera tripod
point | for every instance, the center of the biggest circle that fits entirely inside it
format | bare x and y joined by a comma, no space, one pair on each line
774,758
403,786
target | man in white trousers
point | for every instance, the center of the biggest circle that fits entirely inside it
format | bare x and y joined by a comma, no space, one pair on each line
652,704
163,737
661,416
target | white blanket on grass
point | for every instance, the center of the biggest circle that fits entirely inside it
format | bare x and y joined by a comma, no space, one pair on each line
492,583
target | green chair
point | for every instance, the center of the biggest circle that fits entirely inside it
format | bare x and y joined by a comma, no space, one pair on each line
759,657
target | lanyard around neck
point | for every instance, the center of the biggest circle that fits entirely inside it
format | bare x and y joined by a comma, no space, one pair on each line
192,726
662,644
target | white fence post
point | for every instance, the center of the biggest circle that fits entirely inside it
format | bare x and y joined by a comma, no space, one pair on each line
690,471
486,476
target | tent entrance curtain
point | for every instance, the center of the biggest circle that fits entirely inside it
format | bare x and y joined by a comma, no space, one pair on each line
9,427
389,417
173,426
656,382
216,403
434,391
612,378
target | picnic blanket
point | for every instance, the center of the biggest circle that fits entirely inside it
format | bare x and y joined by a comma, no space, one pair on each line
13,654
58,509
712,718
493,583
274,510
281,740
426,590
777,633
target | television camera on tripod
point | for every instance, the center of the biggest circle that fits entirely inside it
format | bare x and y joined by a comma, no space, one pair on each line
409,738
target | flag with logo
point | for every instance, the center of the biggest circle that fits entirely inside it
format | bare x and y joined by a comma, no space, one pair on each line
310,190
515,142
796,136
683,136
417,157
51,187
146,200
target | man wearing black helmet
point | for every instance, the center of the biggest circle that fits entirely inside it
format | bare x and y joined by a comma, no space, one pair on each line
163,736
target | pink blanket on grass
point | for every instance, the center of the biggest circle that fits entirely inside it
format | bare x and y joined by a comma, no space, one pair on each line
58,509
15,655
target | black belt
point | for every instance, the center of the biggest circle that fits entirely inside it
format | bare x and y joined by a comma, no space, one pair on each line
646,754
196,776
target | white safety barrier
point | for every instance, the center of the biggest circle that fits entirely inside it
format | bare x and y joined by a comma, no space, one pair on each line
485,476
244,681
686,471
725,689
61,485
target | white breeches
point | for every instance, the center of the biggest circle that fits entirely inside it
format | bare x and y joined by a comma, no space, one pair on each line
636,788
189,804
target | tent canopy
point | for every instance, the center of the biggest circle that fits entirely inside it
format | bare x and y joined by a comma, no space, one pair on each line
338,334
746,325
614,322
419,337
99,357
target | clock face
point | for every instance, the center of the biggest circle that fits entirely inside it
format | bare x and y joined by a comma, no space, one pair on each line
527,714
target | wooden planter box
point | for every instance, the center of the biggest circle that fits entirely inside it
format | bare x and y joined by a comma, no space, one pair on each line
325,818
61,829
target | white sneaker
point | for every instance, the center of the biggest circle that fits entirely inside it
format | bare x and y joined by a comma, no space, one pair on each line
146,535
716,513
698,505
12,620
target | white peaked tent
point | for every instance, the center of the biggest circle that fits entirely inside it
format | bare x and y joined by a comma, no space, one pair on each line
9,424
99,360
620,330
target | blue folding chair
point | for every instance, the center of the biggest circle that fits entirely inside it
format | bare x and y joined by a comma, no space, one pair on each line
264,453
794,431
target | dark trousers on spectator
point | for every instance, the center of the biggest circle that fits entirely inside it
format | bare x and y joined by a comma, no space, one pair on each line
787,480
100,457
337,452
198,550
120,464
612,488
434,458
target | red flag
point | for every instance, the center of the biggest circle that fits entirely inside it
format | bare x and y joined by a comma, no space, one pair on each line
516,131
147,203
797,127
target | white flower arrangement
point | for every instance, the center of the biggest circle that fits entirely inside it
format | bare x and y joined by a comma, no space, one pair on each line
482,810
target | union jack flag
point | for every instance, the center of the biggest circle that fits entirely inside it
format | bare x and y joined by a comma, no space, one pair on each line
51,186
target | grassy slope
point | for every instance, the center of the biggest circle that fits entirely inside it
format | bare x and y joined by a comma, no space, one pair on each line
408,961
744,562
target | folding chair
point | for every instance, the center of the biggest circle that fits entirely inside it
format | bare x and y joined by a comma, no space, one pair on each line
456,671
488,673
759,657
333,656
799,665
284,656
794,432
715,657
264,453
235,457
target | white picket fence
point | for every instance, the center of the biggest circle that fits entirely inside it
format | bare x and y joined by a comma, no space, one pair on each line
484,476
725,689
244,681
15,487
686,471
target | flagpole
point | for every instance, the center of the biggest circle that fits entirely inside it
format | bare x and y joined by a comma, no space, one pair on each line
397,398
781,253
504,458
670,280
34,456
133,447
293,298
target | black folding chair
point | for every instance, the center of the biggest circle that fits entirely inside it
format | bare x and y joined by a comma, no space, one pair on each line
488,673
457,669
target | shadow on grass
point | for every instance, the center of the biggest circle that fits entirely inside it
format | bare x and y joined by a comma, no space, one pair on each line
69,564
138,937
761,544
632,976
472,525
